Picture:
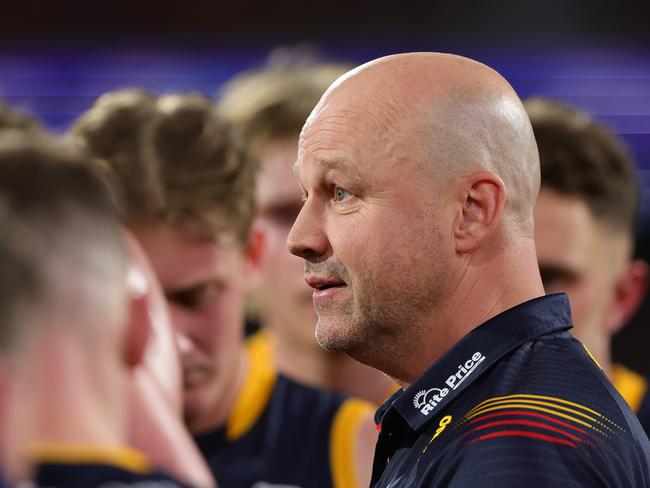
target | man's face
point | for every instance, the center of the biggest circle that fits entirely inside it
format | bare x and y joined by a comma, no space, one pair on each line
578,256
284,297
204,282
371,231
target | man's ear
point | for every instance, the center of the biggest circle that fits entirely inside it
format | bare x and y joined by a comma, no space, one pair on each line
138,288
630,290
138,330
483,197
254,253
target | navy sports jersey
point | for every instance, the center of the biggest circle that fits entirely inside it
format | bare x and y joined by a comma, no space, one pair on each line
516,402
96,467
267,342
281,432
634,389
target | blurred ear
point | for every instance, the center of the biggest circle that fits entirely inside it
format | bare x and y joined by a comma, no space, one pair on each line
139,321
254,254
630,290
483,197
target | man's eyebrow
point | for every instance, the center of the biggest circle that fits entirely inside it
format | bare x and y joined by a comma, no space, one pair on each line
328,164
336,164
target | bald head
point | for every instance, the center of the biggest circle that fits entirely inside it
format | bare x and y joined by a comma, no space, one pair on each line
451,114
419,175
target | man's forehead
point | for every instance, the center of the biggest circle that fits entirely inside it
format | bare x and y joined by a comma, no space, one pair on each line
336,138
324,165
191,262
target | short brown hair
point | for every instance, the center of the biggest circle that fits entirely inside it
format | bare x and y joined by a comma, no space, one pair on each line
175,159
273,103
50,195
11,118
582,157
19,284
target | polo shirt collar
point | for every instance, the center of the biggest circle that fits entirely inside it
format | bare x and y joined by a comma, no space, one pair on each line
464,363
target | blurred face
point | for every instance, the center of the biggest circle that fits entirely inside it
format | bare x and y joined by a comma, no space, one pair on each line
284,297
576,255
148,306
370,231
204,282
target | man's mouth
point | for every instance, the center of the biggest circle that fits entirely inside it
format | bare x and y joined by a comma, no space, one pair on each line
324,287
194,375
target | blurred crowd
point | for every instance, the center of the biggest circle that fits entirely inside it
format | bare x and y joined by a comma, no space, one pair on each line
135,247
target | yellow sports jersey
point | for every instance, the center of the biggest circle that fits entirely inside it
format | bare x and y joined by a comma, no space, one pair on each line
634,389
281,432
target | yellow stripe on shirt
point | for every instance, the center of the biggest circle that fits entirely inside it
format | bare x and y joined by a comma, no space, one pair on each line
632,386
118,456
343,442
257,389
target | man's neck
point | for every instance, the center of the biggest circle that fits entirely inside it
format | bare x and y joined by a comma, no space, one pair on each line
65,392
217,413
483,291
330,371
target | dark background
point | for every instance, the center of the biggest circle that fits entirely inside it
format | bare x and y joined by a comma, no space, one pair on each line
57,57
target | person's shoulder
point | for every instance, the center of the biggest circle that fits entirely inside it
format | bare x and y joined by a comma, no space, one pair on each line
67,475
345,422
562,368
96,466
302,397
547,414
558,366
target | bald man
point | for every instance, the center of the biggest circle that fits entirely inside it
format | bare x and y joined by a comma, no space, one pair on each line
419,174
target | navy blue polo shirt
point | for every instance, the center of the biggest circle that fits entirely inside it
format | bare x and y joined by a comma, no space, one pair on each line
285,434
517,402
95,475
94,466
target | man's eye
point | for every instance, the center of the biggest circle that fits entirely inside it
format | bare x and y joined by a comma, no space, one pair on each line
341,194
283,215
195,297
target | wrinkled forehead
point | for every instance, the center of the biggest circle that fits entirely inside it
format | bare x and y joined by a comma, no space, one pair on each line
353,126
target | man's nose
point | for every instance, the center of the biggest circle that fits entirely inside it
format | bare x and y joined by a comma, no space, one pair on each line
183,342
307,238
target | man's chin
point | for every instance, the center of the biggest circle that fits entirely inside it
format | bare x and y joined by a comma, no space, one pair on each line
334,336
192,406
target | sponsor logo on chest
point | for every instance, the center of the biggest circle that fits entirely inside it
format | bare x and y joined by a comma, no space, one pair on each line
427,400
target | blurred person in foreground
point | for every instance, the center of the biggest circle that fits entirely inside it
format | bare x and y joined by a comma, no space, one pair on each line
271,106
13,119
74,308
190,202
420,174
585,222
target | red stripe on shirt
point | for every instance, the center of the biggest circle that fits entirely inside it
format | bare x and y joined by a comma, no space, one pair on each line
523,433
531,414
529,423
